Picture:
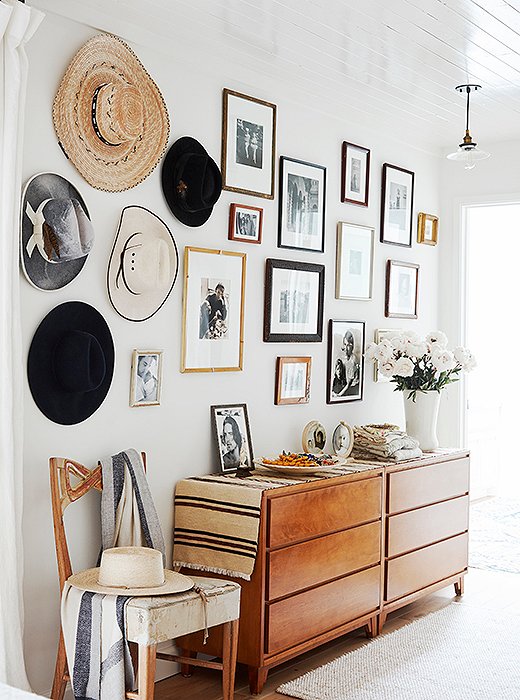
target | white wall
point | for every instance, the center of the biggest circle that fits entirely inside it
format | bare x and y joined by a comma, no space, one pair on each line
177,435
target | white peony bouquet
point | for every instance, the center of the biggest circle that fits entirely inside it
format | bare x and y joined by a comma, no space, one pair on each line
415,364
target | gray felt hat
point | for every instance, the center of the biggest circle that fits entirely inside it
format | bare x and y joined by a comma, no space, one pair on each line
56,232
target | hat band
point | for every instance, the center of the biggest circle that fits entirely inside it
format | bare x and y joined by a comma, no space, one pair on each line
94,117
126,588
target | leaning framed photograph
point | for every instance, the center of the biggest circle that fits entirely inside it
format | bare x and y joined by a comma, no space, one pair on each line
355,174
354,261
245,223
248,144
145,378
427,228
293,380
396,205
345,376
402,286
232,436
213,310
301,216
293,309
379,335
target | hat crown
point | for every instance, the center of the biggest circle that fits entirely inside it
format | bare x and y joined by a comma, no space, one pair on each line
131,567
117,113
79,362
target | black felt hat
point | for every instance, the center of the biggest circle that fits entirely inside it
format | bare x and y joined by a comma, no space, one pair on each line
191,181
71,363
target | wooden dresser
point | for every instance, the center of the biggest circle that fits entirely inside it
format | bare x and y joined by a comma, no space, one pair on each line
340,553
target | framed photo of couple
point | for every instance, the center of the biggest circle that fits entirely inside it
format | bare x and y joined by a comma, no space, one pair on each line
232,436
345,361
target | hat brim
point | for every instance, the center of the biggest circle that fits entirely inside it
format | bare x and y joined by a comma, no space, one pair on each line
173,583
61,406
40,273
186,144
128,305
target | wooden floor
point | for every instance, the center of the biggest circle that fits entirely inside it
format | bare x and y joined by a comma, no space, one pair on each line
489,589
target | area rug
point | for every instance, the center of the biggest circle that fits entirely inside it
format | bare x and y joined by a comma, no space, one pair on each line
461,652
494,535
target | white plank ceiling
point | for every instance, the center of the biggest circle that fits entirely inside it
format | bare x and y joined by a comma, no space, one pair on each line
392,61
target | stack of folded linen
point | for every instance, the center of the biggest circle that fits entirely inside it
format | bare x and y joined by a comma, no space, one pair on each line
384,443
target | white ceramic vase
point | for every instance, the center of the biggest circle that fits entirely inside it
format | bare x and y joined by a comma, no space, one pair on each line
421,418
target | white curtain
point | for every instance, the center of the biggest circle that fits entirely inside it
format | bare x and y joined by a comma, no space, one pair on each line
17,25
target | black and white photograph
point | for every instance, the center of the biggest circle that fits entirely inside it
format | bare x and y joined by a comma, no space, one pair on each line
355,174
245,223
354,261
145,380
293,301
293,378
342,440
213,310
397,205
233,436
301,221
314,437
248,144
402,283
345,361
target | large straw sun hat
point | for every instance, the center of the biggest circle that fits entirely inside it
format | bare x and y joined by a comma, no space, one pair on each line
109,115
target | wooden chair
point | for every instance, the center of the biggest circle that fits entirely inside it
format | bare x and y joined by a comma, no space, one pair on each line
149,620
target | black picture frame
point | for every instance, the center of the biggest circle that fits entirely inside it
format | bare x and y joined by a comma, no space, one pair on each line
348,190
275,329
238,413
391,199
338,388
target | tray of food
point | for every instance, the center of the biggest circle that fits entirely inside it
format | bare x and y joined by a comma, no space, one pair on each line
300,463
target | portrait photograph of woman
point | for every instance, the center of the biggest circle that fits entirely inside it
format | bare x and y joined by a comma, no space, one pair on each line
345,361
145,384
233,437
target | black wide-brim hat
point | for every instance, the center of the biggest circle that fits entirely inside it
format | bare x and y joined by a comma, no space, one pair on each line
71,363
191,181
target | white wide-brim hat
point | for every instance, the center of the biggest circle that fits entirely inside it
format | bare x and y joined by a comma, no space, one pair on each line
143,264
131,571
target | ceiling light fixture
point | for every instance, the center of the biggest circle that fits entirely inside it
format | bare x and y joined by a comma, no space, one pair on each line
467,152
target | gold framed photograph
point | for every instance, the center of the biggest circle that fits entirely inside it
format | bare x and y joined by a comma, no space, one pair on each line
293,380
427,229
146,378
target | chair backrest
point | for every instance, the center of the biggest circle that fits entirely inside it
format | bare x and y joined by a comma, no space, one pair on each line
63,493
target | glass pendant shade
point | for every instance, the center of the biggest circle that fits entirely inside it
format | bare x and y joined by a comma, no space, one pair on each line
468,151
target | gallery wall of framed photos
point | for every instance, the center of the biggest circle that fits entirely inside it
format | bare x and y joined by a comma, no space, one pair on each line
175,426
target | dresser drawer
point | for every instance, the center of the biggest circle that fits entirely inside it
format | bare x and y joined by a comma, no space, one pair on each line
309,614
424,485
316,512
411,572
314,562
418,528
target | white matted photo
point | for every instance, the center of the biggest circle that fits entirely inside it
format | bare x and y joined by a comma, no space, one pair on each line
345,361
245,223
145,378
213,310
397,205
248,144
402,283
354,261
233,436
355,174
342,440
293,379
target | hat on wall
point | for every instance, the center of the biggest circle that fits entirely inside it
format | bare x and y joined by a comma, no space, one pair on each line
191,181
56,234
143,264
131,571
71,363
109,115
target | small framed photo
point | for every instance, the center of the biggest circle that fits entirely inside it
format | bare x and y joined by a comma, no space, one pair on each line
314,437
248,144
355,174
427,229
293,380
402,286
301,218
397,205
233,436
379,335
354,261
213,310
245,223
342,440
345,361
145,378
293,310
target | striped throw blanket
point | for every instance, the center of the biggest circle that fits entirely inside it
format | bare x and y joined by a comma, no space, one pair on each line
93,624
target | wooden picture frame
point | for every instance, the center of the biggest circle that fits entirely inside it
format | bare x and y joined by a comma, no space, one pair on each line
146,378
293,380
245,223
301,209
354,261
233,436
345,361
213,310
294,294
397,192
427,228
248,144
355,174
402,289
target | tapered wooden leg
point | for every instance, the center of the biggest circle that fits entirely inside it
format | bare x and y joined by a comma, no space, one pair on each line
382,620
257,678
459,586
59,683
229,658
186,669
146,671
372,627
